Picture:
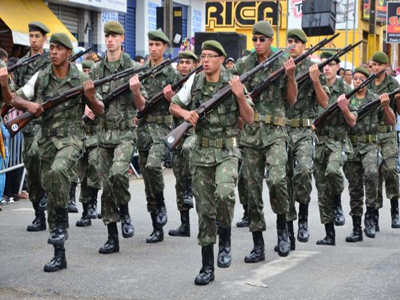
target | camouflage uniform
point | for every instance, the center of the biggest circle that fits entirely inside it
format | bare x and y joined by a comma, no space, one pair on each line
361,165
264,144
151,130
31,132
215,157
116,138
300,146
388,142
61,143
330,153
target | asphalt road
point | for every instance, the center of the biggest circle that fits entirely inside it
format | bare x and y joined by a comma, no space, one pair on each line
365,270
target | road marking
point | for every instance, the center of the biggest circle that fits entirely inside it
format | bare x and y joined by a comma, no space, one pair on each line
274,268
23,209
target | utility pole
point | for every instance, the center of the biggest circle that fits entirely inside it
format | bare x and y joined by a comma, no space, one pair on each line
278,22
372,25
168,22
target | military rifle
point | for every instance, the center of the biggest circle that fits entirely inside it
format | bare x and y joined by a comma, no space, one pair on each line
175,136
79,54
335,107
125,87
365,108
278,73
15,125
157,99
303,77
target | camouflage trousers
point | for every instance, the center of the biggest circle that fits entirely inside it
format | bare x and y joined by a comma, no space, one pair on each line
241,188
113,164
329,180
255,161
388,170
151,162
181,168
31,159
358,174
88,173
55,162
74,174
299,173
214,190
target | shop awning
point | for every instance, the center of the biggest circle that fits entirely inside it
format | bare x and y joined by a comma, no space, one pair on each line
17,14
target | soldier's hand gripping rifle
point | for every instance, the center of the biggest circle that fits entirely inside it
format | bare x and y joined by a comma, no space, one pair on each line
335,107
278,73
15,125
157,99
23,62
303,77
79,54
174,137
365,108
125,87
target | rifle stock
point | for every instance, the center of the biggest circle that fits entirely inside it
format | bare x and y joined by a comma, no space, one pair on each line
175,136
157,99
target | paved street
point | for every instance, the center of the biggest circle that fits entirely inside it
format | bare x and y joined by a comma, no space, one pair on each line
365,270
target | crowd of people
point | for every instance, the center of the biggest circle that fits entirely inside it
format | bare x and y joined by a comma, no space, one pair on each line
246,138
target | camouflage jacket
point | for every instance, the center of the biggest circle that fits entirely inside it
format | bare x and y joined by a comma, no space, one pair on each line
151,131
388,85
219,124
367,126
62,124
270,102
119,116
24,73
334,128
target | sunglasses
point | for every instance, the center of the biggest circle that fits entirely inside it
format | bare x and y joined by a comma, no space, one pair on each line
261,39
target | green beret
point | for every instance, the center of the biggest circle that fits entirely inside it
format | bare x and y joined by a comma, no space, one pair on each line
361,70
62,39
214,46
87,64
297,34
37,26
113,27
380,57
328,54
264,28
188,55
157,35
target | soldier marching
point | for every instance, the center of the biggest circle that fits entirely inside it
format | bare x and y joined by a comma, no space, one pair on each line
274,130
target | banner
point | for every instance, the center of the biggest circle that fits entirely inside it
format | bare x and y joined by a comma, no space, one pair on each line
393,23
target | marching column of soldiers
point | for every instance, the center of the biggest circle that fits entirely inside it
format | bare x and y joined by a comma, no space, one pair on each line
235,132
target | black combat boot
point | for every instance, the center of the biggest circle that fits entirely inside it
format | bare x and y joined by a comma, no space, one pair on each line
329,240
44,201
303,234
356,235
395,213
224,254
39,223
92,209
291,237
58,262
162,218
369,223
72,202
258,252
337,205
84,221
206,274
283,236
376,220
112,244
184,229
245,220
188,195
60,233
126,223
158,234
